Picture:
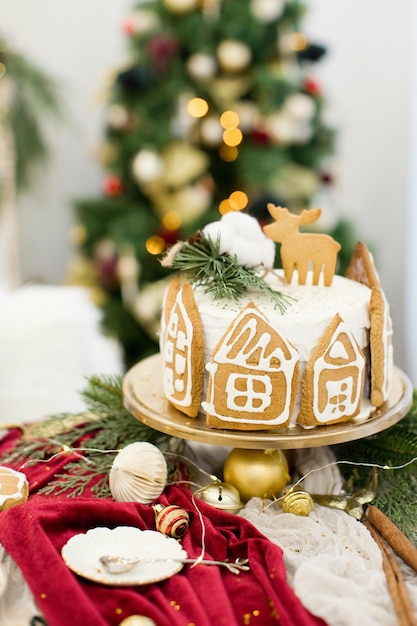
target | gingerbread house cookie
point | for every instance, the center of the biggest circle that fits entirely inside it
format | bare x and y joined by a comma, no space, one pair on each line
361,266
253,376
14,488
382,361
183,353
333,380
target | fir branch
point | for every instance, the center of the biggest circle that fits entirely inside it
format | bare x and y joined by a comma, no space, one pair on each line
221,275
78,476
104,395
34,95
397,488
109,427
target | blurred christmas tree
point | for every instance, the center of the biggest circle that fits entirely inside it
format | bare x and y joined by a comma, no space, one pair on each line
27,96
215,110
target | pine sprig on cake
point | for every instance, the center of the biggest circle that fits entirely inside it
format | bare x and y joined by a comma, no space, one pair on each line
221,275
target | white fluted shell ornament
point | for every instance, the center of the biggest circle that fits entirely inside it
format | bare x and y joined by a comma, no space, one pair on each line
138,473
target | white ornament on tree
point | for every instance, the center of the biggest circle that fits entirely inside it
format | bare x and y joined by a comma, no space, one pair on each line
144,21
300,106
267,10
147,166
233,55
201,66
117,117
211,131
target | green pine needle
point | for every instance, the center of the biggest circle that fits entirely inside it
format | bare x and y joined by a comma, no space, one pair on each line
100,435
397,488
221,275
34,96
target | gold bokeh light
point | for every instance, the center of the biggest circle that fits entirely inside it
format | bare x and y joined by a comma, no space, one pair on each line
155,244
297,42
172,220
197,107
229,119
228,153
239,199
232,136
225,207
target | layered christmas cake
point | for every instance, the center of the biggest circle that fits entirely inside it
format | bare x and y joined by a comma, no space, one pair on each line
256,348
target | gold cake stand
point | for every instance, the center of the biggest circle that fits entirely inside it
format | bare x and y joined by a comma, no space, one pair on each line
144,399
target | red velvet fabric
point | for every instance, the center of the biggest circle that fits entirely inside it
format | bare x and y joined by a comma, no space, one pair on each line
34,533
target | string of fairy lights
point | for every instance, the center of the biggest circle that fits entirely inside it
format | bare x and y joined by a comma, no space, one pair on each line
80,452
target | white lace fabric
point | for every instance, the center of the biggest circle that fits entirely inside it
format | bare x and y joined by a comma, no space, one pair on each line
333,564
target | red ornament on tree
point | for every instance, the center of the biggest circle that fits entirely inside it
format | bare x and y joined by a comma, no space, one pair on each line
161,50
112,185
312,87
326,178
170,236
129,25
260,136
105,261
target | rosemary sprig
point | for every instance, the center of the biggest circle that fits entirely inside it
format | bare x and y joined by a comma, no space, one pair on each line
221,275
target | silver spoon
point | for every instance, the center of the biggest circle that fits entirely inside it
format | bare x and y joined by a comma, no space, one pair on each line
120,564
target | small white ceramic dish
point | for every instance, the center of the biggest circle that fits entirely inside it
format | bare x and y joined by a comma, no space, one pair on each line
82,552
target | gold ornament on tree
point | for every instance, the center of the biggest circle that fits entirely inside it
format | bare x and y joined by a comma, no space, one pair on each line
257,473
181,6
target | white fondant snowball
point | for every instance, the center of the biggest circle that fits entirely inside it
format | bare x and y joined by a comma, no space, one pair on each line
138,473
241,235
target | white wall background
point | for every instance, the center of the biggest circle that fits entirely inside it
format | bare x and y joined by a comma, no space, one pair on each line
367,76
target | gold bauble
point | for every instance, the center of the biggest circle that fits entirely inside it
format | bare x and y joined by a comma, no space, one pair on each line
222,496
256,473
180,6
297,502
183,163
189,202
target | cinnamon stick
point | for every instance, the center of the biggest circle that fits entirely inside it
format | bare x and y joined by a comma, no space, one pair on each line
396,585
395,538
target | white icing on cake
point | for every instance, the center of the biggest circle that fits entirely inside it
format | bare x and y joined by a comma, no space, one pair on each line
305,319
